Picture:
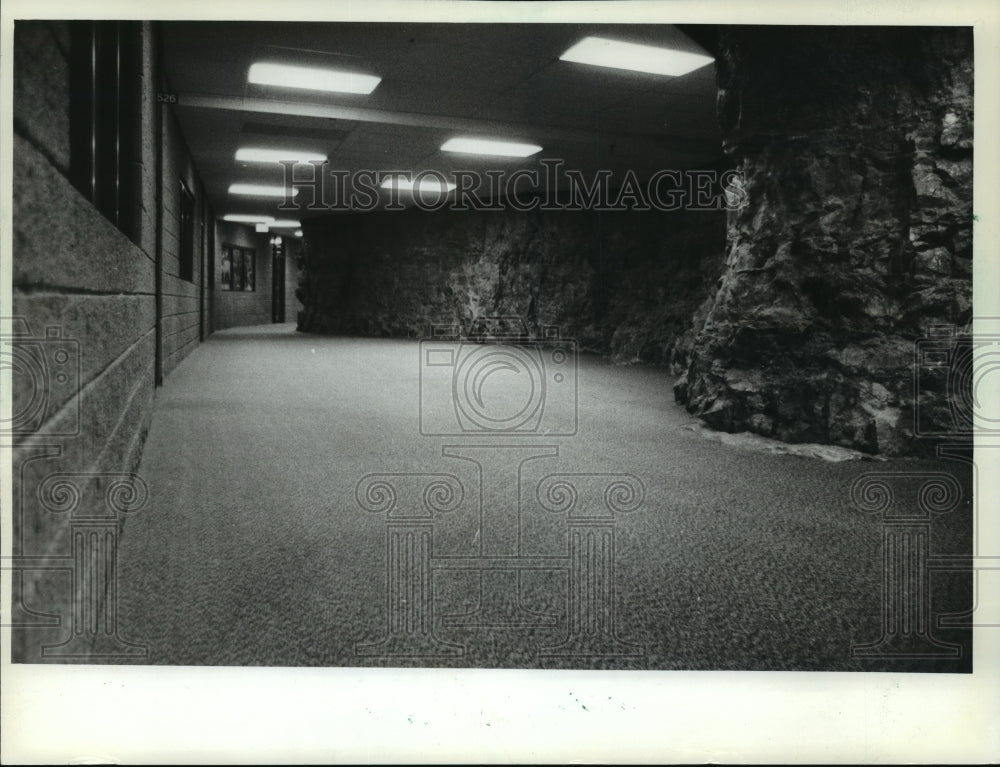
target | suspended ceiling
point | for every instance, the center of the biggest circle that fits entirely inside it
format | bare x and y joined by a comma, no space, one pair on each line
438,81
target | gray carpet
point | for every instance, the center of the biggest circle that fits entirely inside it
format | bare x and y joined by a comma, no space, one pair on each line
253,549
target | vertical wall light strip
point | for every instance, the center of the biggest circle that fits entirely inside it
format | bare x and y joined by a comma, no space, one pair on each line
93,110
158,271
118,123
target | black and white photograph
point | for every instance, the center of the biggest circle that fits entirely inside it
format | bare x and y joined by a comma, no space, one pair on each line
620,349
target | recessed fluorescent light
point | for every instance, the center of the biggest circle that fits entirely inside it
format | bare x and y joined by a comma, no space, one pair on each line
310,78
241,218
261,190
285,223
255,154
425,184
489,147
602,52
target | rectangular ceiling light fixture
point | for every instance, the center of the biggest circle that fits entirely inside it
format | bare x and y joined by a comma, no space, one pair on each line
241,218
285,224
602,52
261,228
311,78
260,190
489,147
254,154
426,184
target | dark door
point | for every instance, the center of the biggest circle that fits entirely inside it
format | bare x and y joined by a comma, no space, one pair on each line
277,281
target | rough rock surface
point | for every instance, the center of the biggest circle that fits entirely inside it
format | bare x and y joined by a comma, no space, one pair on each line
623,284
856,152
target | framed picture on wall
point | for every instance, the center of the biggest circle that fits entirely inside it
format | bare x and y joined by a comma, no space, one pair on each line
236,271
226,269
248,269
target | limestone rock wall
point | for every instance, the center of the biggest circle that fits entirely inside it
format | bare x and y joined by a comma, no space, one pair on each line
855,145
624,284
798,316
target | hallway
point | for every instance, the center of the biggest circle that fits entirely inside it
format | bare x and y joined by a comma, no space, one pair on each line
253,549
626,337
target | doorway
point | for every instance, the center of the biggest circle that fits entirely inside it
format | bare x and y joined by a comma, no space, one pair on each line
277,280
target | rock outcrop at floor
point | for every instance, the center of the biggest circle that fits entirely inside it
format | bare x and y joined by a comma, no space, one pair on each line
855,147
623,283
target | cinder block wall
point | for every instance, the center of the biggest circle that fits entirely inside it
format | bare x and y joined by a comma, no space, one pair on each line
85,295
181,298
293,253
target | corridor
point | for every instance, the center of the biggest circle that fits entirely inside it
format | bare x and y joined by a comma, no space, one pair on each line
405,353
254,549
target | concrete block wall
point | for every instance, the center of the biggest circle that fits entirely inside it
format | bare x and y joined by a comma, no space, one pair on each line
41,50
292,304
206,237
85,311
182,298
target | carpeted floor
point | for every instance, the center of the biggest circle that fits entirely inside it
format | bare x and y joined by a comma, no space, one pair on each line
254,548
